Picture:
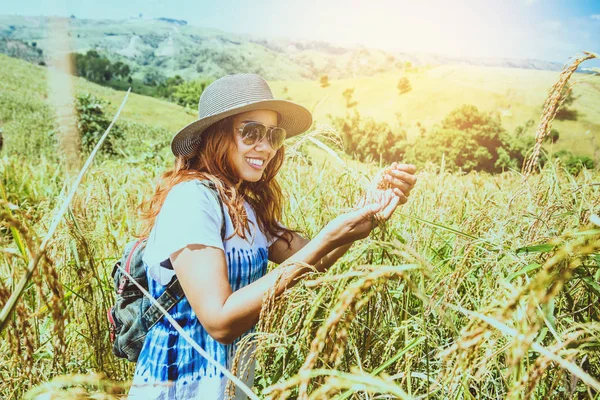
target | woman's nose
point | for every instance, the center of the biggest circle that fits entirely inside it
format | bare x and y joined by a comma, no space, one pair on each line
263,145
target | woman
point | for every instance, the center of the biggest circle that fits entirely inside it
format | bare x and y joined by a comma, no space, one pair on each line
237,144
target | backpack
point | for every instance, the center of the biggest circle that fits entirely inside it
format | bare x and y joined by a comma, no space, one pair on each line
133,314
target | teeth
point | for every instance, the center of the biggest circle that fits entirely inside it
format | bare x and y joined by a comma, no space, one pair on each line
255,161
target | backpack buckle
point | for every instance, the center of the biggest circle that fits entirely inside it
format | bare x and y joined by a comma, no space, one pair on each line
122,284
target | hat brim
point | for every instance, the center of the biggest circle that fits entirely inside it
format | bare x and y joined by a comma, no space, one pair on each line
295,119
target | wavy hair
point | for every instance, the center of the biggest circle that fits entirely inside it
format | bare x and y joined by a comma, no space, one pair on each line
212,160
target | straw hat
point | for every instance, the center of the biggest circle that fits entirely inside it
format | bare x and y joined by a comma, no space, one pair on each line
234,94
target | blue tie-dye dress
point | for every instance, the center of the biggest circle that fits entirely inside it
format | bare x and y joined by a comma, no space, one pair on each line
168,367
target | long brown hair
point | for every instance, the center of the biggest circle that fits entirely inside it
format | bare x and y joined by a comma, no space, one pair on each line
212,161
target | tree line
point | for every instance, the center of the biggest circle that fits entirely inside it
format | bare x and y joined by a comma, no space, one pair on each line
467,139
97,68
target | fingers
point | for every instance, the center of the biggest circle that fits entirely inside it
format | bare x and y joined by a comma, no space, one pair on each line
387,199
376,196
409,168
403,197
402,179
386,213
369,210
378,201
399,186
389,202
404,176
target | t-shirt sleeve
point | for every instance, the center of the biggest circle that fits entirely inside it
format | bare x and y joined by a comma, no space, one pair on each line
273,239
191,214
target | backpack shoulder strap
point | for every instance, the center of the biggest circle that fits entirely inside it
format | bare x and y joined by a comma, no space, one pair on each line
173,292
168,299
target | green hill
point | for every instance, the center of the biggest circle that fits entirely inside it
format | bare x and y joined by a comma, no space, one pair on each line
25,113
160,45
517,95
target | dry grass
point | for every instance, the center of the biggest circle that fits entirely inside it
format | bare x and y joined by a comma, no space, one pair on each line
553,103
480,287
394,305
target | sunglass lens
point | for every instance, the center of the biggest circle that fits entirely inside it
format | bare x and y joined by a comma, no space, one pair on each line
252,133
277,137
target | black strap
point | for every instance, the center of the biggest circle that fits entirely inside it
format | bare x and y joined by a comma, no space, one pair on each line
173,293
171,296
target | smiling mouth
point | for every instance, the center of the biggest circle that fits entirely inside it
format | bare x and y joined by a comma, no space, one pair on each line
255,162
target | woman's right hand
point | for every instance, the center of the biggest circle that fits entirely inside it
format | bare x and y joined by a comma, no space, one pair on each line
359,223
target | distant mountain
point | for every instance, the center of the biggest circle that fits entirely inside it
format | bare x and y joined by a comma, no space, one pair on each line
167,47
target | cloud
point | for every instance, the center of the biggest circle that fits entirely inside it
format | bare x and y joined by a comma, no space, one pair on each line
595,16
530,2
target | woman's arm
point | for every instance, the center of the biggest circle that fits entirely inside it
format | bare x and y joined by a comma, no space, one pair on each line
401,180
279,251
226,315
399,177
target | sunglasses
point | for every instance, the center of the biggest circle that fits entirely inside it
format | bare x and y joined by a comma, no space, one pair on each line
254,132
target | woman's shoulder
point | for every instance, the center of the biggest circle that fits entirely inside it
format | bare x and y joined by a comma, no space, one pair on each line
190,191
190,199
191,186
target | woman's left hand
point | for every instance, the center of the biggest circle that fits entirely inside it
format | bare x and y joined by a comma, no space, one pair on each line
401,179
358,223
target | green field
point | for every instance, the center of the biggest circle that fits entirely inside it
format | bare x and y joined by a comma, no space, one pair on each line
481,286
516,94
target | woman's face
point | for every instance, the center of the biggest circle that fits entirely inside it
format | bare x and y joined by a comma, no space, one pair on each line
247,159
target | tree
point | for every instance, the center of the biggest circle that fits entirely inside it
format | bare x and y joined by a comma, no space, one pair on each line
153,77
421,128
92,122
552,136
470,140
97,68
404,85
575,164
565,112
348,95
120,69
168,87
522,130
369,140
188,93
91,66
324,81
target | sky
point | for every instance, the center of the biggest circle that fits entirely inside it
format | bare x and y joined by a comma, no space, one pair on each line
551,30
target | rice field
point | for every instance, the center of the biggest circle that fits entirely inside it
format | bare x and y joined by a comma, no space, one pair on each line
481,286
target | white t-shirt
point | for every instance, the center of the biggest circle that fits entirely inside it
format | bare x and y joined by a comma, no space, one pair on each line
191,215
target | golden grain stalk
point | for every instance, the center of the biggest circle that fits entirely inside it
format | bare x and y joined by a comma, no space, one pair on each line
553,102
